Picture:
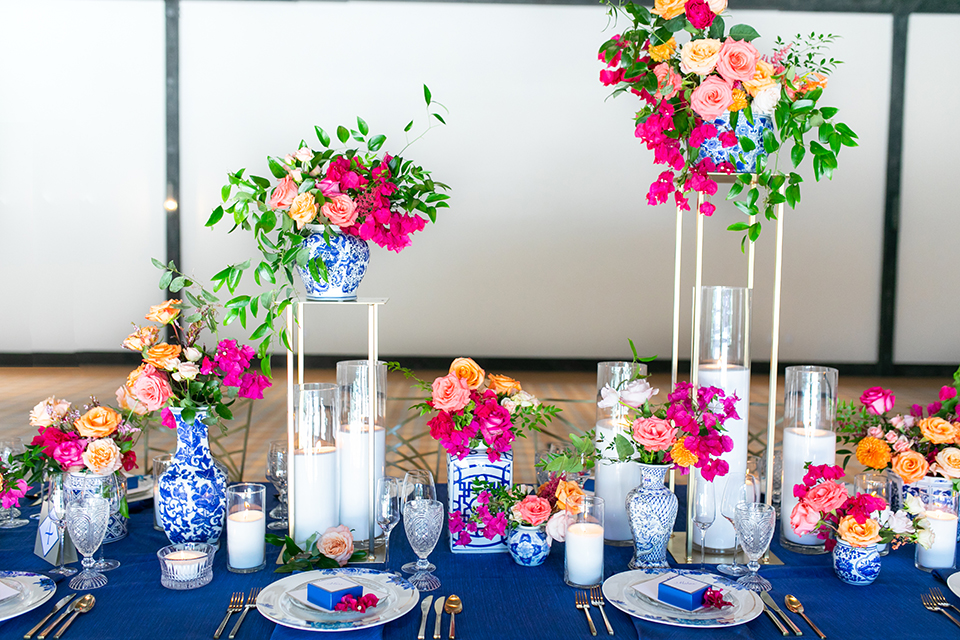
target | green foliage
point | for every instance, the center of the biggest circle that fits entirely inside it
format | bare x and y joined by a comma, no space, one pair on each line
294,558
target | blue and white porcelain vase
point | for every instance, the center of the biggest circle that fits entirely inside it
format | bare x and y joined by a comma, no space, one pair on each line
461,497
743,161
193,490
346,258
856,565
111,486
652,510
529,546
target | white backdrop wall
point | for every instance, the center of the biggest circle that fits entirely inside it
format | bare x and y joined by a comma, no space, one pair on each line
548,250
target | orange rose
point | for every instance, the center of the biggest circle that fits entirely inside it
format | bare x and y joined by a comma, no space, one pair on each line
663,52
569,496
762,78
467,369
859,535
938,430
99,422
303,209
911,466
700,56
668,9
142,338
163,356
163,313
503,384
813,81
103,456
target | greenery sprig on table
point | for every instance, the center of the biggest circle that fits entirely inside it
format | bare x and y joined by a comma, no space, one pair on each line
294,558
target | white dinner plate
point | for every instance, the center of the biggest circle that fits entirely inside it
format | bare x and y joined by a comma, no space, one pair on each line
275,603
36,590
954,583
618,589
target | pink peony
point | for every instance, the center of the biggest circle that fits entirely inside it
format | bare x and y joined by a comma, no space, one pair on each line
534,510
152,388
711,99
804,519
654,434
283,194
826,496
69,454
450,393
878,400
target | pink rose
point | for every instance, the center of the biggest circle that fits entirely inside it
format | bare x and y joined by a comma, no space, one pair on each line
902,444
804,519
336,543
534,510
666,78
152,388
738,60
876,432
69,454
890,437
878,400
283,194
557,525
341,211
329,188
711,99
450,393
654,434
826,496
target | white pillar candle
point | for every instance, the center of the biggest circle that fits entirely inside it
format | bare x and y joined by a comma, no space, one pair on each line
732,380
942,554
316,496
353,448
819,447
186,564
245,538
584,553
612,481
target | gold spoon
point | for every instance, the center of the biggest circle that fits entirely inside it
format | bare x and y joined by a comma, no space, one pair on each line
453,607
83,605
794,605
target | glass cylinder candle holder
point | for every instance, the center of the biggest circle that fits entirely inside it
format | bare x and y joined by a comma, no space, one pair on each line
941,510
583,559
246,527
724,362
614,480
361,444
876,484
313,480
160,464
187,565
809,425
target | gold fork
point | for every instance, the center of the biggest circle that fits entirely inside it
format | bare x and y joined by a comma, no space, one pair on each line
583,603
937,596
236,604
930,605
596,599
250,604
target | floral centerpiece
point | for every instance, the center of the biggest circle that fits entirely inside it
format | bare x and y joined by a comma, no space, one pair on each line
329,550
706,104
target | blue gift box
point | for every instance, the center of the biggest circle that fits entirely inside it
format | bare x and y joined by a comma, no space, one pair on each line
682,592
328,593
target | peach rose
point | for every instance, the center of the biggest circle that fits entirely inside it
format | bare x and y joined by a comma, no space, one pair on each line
303,209
49,411
163,313
99,422
569,496
468,370
128,402
142,338
336,543
762,78
738,60
911,466
803,519
948,462
859,535
534,510
340,211
283,194
700,56
666,77
654,434
717,6
711,99
163,356
668,9
151,388
826,496
503,384
938,430
450,393
103,456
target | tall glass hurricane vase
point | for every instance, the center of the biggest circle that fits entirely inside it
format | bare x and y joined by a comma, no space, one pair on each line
193,489
614,480
313,471
724,362
652,510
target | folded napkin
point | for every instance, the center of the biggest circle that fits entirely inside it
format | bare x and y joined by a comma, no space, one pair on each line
286,633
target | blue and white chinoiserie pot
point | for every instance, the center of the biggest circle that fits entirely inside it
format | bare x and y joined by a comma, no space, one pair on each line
192,491
111,486
346,258
743,161
856,565
462,498
529,546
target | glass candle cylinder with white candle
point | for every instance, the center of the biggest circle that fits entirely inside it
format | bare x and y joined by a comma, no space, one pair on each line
878,485
313,479
246,527
160,464
940,510
187,565
361,444
614,480
583,559
809,425
724,362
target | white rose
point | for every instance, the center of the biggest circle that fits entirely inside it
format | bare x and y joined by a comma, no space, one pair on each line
192,354
914,504
303,154
766,100
188,370
609,397
637,393
900,522
557,525
925,538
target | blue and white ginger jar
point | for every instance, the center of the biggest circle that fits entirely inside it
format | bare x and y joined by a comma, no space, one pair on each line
461,497
346,258
856,565
743,161
652,510
529,546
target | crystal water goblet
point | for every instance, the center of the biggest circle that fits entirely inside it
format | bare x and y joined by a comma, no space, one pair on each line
387,508
418,484
277,475
423,522
755,522
111,491
87,522
57,512
704,512
740,489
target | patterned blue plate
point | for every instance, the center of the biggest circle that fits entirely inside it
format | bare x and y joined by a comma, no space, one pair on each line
618,590
276,605
36,590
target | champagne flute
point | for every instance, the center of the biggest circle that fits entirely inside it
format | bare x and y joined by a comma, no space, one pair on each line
704,512
387,507
755,522
423,522
741,488
87,522
57,512
277,475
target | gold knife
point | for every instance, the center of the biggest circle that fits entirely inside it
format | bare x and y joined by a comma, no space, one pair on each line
438,609
771,603
425,609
